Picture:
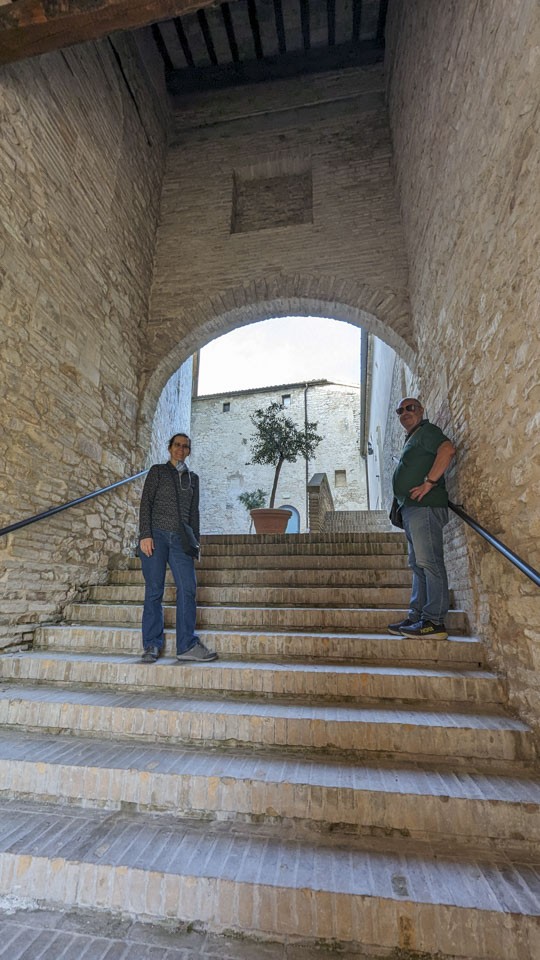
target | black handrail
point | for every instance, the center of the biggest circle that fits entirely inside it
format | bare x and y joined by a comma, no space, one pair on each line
71,503
525,568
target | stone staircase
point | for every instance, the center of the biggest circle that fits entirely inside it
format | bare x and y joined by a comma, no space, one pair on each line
321,781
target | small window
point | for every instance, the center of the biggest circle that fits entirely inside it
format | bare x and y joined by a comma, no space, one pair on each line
341,478
286,400
244,441
226,407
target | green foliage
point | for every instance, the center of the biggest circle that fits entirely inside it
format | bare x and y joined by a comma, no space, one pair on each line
277,439
253,500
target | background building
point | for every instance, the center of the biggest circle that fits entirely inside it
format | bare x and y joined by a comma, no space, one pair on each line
221,431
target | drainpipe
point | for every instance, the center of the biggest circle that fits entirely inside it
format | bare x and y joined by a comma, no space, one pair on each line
306,388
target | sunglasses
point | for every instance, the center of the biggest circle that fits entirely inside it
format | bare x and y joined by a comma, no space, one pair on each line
410,407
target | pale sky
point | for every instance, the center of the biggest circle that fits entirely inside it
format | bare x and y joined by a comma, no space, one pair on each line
281,350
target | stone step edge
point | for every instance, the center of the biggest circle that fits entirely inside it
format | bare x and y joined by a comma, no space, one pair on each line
281,665
371,648
295,634
170,653
354,732
223,903
238,679
360,810
330,536
399,611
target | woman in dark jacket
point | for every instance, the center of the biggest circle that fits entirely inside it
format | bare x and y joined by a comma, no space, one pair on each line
169,533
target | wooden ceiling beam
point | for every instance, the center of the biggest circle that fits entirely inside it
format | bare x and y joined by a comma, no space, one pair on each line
184,82
31,27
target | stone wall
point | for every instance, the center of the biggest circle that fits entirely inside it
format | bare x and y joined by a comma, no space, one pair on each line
382,360
82,152
314,153
173,412
463,84
221,449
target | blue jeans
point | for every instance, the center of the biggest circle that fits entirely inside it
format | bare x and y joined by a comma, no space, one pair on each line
424,530
168,548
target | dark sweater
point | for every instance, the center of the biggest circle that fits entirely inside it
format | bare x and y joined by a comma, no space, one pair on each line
159,503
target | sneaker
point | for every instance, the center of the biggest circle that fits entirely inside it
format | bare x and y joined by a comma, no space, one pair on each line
396,628
197,652
425,628
150,655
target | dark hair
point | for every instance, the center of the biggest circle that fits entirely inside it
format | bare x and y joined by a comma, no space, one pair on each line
179,434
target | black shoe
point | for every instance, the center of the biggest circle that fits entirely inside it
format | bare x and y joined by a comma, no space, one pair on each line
425,629
150,655
395,628
198,652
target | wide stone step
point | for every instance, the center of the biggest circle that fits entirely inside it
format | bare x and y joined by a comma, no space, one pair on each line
439,804
253,678
396,561
394,547
274,596
456,651
268,562
301,539
369,730
232,878
379,547
274,577
277,618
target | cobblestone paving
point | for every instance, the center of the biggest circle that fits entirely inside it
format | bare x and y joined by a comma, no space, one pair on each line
34,934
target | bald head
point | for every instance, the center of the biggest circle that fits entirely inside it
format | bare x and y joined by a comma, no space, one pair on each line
410,412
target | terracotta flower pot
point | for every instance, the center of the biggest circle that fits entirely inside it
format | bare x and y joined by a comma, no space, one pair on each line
270,520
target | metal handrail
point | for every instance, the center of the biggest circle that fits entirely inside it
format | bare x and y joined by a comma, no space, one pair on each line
525,568
71,503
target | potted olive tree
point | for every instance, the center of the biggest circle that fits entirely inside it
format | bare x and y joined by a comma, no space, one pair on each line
278,440
251,501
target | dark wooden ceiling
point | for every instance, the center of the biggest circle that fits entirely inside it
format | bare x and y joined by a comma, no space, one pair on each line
247,41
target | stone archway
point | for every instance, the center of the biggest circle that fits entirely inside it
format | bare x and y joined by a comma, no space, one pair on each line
173,340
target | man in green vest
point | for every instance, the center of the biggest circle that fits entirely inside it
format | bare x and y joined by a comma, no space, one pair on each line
420,490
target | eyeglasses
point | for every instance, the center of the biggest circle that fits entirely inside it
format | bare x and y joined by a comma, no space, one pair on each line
410,407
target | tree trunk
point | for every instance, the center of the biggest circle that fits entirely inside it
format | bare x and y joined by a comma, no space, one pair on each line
276,478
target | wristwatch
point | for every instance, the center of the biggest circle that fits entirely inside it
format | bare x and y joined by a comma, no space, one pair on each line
427,480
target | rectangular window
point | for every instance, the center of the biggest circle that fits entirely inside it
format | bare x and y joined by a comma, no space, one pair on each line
340,479
226,407
286,400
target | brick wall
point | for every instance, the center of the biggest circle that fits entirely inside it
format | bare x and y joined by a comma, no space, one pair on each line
82,156
463,100
317,149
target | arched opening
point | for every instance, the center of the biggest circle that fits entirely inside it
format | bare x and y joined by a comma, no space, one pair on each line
341,405
377,311
293,525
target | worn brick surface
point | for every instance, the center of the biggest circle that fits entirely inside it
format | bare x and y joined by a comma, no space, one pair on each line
465,128
305,785
348,263
244,879
82,155
303,680
427,803
29,933
265,645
